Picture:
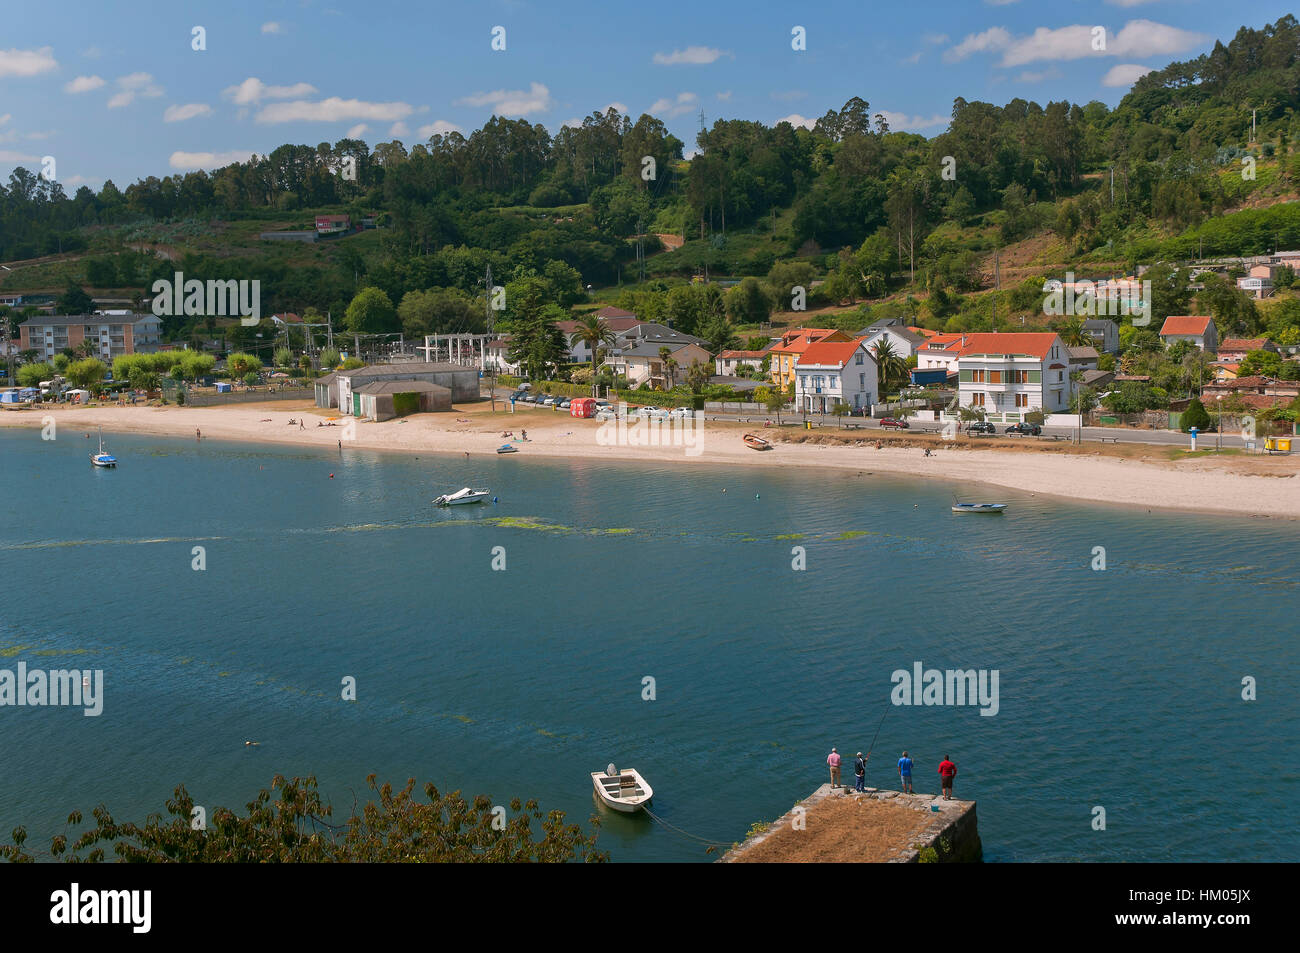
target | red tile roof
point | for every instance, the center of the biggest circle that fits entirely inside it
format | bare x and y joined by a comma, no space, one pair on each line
612,312
1037,343
741,354
796,340
616,324
1185,324
1243,344
830,353
942,341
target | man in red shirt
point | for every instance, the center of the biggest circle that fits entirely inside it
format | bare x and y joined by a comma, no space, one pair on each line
947,771
833,760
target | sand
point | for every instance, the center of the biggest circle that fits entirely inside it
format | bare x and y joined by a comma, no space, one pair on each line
1139,476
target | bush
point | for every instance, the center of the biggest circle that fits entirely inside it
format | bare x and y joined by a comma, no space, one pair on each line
1195,416
251,379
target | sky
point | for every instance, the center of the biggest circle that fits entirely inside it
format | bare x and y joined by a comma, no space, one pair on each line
122,89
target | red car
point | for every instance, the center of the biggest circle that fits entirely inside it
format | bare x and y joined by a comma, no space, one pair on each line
892,423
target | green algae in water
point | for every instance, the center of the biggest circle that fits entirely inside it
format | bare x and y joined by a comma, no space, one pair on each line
848,534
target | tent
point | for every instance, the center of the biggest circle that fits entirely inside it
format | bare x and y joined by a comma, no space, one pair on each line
582,407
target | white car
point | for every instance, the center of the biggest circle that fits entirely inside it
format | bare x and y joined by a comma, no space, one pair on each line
681,412
549,402
654,412
605,414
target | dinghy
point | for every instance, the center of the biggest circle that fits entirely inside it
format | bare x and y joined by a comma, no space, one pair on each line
506,448
467,495
978,507
755,442
624,790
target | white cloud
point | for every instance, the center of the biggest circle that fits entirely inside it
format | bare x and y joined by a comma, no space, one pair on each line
692,55
27,62
1125,74
513,102
8,156
914,58
5,118
356,132
272,27
188,111
83,84
795,119
440,127
1138,38
132,85
399,129
934,39
39,135
620,107
253,90
670,108
725,97
572,123
207,160
333,109
992,39
903,122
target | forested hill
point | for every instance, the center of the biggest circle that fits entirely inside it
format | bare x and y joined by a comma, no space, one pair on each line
868,209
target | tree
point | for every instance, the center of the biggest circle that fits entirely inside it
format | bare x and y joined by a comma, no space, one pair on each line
697,376
1195,416
74,300
595,334
289,823
537,343
241,364
1072,333
329,358
839,410
748,302
670,366
282,357
719,333
891,364
371,312
88,371
1261,363
31,375
775,401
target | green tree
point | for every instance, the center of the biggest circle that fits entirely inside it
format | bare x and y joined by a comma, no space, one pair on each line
774,402
1262,363
891,365
329,358
74,300
240,364
88,371
670,366
31,375
1195,416
595,334
282,357
371,312
748,302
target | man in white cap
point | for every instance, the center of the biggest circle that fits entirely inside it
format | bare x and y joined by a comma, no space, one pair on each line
860,772
833,759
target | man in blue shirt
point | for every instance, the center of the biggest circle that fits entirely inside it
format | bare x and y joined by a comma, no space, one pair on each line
860,771
905,773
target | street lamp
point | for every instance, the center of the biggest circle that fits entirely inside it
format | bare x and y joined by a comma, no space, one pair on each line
1218,433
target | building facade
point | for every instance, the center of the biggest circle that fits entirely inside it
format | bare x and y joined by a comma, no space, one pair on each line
1008,375
109,335
836,372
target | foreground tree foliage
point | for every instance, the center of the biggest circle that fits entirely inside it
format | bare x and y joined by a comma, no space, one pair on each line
289,823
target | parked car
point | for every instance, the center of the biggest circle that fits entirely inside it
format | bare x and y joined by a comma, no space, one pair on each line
566,404
605,414
549,402
1025,429
681,412
654,412
893,423
981,426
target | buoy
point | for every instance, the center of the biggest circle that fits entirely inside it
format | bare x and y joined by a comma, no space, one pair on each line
724,489
755,496
494,499
331,476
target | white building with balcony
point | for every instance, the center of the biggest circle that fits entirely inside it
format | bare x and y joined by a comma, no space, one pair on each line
835,372
1008,375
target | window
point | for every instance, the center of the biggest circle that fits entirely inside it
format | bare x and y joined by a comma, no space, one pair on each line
977,376
859,358
1060,376
978,400
862,382
1020,377
995,377
1022,400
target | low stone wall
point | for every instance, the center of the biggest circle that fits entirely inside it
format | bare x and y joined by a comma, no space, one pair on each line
950,836
250,397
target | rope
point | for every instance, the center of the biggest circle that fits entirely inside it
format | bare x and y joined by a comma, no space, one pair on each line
672,827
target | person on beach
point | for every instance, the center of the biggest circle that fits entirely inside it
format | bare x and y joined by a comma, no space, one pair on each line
833,760
905,773
198,435
947,771
860,772
340,446
523,435
300,425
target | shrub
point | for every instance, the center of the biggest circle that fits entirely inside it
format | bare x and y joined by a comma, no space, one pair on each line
1195,416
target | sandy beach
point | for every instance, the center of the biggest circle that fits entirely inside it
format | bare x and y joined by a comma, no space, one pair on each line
1133,475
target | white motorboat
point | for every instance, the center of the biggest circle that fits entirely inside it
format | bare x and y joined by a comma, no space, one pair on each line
466,495
623,790
101,457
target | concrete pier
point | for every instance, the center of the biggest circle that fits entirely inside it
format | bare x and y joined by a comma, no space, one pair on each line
838,825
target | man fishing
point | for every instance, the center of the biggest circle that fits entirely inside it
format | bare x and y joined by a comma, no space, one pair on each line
947,771
860,771
905,773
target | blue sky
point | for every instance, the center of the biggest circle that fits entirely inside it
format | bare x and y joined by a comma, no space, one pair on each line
116,90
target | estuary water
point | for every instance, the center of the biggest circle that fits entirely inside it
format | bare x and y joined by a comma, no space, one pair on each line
1118,688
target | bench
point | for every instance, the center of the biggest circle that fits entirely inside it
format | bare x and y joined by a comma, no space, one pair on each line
1107,439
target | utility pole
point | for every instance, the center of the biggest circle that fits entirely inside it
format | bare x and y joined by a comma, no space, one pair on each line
492,380
1112,186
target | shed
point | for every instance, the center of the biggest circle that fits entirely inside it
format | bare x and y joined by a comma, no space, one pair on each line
384,400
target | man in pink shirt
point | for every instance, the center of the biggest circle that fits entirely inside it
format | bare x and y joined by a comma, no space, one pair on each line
833,759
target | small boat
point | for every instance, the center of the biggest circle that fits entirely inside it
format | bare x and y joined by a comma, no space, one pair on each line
755,442
102,458
507,448
467,495
978,507
624,790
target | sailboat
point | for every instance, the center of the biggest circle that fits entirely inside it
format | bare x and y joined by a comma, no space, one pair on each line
101,457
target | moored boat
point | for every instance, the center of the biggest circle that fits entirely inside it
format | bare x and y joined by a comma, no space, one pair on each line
466,495
507,448
978,507
755,442
623,790
101,457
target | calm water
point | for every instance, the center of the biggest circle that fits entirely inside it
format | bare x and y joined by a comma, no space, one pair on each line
1118,688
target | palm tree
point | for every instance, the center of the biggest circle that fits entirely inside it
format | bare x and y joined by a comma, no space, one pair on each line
670,366
595,333
891,364
1072,333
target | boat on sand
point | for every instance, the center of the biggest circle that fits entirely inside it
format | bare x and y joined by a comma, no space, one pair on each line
755,442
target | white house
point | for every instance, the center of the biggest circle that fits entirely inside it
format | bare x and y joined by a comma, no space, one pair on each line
835,372
1198,329
1008,375
728,362
1104,332
941,350
905,343
641,362
616,319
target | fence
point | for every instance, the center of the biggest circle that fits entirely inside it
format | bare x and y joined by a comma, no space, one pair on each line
249,396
